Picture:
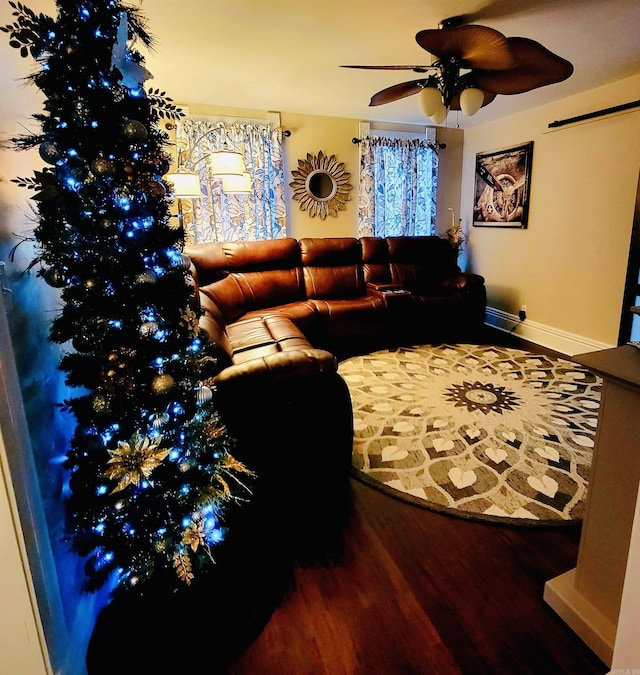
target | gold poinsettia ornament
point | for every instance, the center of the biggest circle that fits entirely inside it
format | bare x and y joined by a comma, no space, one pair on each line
193,536
134,461
189,318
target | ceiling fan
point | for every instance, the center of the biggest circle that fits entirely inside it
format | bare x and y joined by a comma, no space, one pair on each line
473,65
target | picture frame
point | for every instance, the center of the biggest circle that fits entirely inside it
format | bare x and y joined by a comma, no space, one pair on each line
502,187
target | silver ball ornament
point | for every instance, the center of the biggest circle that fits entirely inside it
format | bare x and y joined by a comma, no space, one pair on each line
203,395
148,329
133,130
146,278
54,277
48,152
158,420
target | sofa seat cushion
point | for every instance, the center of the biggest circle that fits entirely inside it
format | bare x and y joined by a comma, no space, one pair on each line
303,314
259,337
352,317
269,369
268,349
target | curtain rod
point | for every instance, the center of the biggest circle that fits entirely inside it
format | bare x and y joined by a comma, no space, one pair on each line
170,126
436,146
597,113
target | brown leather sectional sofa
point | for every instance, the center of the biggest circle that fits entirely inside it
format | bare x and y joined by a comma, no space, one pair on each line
281,313
344,295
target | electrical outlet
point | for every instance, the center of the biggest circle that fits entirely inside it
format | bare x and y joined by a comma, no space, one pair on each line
522,314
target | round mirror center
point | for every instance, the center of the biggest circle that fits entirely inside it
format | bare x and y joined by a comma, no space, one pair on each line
321,185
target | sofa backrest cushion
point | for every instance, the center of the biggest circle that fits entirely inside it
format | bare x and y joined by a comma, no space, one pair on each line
419,264
216,330
250,275
375,259
208,261
211,274
332,267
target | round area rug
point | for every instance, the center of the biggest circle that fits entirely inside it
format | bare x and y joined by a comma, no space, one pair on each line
480,432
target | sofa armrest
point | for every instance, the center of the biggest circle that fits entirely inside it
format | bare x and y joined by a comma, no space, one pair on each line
380,288
464,282
274,368
386,289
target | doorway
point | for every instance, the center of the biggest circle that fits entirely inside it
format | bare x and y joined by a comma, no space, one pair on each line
630,318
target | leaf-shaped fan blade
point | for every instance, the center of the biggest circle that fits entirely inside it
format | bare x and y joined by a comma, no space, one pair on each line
396,92
537,67
474,46
418,69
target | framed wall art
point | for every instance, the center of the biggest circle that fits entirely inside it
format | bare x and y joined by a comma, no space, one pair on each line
502,186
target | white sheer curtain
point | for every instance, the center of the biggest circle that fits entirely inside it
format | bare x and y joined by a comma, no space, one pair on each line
219,216
398,187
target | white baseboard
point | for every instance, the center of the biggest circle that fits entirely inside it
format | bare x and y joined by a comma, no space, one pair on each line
595,630
541,334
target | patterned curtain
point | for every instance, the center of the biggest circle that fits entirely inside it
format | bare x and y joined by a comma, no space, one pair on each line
398,187
219,216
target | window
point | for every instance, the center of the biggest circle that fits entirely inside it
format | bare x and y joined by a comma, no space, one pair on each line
220,216
398,187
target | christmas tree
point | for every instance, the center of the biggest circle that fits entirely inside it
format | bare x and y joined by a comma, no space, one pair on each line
150,464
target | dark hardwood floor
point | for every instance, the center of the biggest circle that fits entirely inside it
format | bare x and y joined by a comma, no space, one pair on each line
410,591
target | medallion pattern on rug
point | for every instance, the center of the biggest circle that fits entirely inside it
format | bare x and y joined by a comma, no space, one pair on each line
481,432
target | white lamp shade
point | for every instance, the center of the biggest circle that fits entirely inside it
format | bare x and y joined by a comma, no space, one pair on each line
440,115
237,184
430,100
185,185
226,163
471,101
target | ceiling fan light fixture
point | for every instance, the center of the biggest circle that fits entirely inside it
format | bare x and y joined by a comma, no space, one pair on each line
496,65
471,100
440,115
430,101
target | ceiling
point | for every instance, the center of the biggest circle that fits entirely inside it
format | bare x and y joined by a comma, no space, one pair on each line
285,55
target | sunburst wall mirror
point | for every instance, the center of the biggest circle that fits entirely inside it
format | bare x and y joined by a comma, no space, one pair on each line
321,185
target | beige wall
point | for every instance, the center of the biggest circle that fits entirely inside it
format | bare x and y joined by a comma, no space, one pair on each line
332,135
449,170
569,266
